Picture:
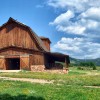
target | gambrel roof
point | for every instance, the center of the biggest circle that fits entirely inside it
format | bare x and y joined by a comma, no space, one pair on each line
36,37
38,41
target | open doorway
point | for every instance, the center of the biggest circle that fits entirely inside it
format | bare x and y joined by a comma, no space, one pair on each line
13,63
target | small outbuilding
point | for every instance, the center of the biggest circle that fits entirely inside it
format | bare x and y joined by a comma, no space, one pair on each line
22,48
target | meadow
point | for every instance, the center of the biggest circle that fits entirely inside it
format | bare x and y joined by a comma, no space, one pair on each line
77,85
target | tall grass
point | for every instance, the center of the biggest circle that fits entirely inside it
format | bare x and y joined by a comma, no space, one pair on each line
15,90
65,87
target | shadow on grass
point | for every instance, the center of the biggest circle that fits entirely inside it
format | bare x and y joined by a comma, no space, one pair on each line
19,97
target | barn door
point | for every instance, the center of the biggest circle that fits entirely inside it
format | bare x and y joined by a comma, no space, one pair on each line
24,62
2,63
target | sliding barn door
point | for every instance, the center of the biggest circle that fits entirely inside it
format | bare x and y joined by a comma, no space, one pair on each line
24,63
2,63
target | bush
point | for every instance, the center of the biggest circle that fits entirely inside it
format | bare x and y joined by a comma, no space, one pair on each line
80,68
94,67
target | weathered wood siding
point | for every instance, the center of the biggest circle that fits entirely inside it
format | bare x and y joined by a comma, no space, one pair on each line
24,62
2,63
37,59
14,51
16,35
46,43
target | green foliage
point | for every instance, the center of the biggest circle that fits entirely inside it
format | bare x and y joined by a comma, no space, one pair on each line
77,61
86,66
80,68
65,87
94,68
71,65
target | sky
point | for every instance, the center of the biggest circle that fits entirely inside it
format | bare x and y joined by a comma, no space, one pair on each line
73,26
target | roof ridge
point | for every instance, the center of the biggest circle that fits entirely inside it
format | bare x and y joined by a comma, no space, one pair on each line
39,41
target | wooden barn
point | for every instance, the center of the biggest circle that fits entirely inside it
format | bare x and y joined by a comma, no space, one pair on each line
22,48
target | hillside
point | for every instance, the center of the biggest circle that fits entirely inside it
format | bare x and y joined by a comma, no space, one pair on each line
77,61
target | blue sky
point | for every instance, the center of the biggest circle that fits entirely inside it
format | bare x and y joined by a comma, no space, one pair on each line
73,26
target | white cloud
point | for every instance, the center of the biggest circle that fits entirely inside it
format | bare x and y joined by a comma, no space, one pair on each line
76,5
78,47
63,18
81,18
72,29
85,22
92,13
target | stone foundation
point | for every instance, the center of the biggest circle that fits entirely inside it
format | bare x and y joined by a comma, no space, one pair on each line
65,70
62,71
41,68
37,68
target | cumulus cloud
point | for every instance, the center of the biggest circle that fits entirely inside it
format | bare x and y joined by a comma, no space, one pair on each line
92,13
86,21
63,18
81,18
76,29
76,5
78,47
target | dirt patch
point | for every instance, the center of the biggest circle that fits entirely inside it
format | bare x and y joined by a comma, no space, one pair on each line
7,71
92,86
28,80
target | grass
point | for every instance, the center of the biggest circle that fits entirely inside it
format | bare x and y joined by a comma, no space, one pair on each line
12,90
65,87
43,75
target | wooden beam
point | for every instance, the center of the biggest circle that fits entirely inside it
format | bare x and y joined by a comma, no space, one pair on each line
66,63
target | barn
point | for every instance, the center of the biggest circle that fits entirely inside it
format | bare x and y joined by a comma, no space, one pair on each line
21,48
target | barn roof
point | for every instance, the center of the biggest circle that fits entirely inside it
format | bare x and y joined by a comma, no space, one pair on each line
39,41
45,38
58,56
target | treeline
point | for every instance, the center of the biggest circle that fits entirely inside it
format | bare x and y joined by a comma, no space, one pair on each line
82,65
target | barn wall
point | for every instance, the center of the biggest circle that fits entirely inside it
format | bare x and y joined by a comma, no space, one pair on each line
37,62
46,43
15,51
2,63
28,58
37,59
16,35
24,62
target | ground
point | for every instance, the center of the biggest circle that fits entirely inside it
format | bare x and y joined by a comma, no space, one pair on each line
24,85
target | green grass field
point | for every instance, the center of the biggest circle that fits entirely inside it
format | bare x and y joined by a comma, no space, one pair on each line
72,86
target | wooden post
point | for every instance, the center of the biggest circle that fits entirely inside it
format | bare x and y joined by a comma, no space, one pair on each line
65,70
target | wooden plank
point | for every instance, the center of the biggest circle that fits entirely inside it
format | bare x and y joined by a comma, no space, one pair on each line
46,43
12,56
16,35
37,59
2,63
24,62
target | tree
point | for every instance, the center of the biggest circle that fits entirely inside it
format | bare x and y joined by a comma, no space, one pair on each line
88,64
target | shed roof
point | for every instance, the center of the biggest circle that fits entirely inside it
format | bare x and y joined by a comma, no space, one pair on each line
58,56
45,38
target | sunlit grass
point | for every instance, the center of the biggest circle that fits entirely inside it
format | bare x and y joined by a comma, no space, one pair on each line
24,90
65,87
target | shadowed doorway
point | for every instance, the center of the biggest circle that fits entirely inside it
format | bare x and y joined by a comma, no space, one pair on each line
13,63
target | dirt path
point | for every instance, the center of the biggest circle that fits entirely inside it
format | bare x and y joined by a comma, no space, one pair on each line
93,73
28,80
92,86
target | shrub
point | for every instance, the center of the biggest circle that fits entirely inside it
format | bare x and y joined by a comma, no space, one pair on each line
94,67
80,68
